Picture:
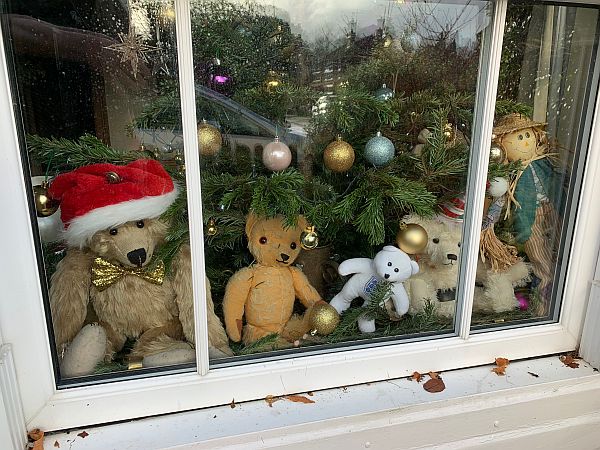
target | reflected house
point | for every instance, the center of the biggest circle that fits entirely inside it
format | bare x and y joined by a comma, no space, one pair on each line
88,87
329,72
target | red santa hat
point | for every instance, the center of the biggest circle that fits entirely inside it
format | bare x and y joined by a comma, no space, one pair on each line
452,211
101,196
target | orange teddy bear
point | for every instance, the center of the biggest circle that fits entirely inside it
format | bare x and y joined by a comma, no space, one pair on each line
265,292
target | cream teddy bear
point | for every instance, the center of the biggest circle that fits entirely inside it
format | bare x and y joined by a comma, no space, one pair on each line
389,265
436,283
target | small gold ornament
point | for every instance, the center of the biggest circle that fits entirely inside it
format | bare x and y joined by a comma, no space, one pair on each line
339,156
412,238
273,80
309,238
211,227
135,364
323,319
44,205
449,132
112,177
209,139
497,154
179,162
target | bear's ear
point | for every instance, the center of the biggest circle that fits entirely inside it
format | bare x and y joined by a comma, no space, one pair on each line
414,267
391,248
250,222
302,223
413,218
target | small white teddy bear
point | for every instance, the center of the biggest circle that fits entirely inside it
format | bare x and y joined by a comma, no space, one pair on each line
391,265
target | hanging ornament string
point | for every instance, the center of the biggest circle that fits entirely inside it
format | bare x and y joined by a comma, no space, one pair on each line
513,184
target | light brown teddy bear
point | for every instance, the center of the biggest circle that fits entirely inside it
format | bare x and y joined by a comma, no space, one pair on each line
108,288
266,291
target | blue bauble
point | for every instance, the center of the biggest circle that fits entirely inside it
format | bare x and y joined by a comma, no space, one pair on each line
379,150
384,93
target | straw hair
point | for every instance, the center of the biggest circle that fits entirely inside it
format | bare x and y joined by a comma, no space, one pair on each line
515,122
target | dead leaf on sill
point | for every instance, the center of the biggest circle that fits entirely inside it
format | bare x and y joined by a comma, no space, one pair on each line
569,361
298,399
83,434
434,385
433,375
232,404
416,376
270,399
56,444
36,437
501,364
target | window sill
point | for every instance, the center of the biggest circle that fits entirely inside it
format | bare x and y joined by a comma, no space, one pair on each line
476,406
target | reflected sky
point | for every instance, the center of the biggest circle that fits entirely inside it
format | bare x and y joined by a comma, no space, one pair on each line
314,19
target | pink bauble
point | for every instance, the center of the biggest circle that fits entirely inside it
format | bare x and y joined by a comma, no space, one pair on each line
522,301
276,156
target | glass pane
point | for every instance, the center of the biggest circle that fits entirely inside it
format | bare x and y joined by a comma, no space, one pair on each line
350,118
105,184
540,137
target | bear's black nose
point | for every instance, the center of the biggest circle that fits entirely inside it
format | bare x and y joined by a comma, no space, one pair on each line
137,257
284,257
452,257
387,275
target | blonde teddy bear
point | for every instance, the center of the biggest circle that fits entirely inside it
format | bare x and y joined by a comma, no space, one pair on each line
265,292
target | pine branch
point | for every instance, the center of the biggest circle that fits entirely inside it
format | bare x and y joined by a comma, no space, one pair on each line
379,195
62,155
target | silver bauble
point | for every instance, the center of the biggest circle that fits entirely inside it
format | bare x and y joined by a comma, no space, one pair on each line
379,150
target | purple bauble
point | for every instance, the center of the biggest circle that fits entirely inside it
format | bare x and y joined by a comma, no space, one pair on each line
523,301
276,155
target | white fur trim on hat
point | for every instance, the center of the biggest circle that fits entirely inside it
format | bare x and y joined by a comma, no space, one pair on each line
82,228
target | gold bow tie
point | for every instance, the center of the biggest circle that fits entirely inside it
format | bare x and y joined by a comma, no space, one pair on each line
104,273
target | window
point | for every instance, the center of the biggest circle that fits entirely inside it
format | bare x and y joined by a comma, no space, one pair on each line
250,153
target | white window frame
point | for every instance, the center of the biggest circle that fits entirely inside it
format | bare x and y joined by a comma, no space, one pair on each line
23,322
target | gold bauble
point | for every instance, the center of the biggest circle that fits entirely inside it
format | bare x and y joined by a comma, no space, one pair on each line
209,139
338,156
497,154
309,238
412,238
44,205
211,228
323,319
449,133
112,177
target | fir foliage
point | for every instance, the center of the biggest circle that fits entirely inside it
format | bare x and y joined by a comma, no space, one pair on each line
62,155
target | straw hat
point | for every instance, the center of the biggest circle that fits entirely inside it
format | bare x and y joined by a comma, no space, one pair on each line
514,122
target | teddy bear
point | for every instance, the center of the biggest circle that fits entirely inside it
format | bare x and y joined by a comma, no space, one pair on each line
452,135
109,288
437,280
390,265
265,292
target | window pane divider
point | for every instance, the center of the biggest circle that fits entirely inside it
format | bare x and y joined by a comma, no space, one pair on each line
192,176
487,88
